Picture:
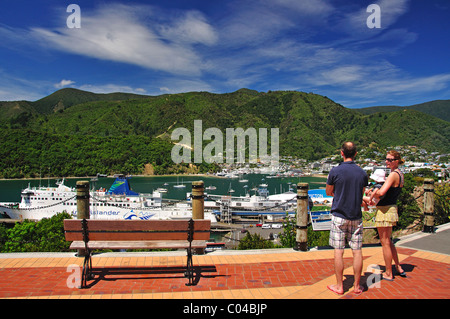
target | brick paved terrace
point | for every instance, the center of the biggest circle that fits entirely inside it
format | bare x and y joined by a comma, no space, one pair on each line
265,274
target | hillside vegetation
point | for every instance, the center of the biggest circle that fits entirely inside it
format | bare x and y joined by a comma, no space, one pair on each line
438,108
74,132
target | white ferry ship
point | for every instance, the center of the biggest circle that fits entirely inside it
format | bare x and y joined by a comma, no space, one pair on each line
119,202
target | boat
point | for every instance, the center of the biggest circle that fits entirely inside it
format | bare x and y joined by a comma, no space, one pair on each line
119,202
259,201
179,185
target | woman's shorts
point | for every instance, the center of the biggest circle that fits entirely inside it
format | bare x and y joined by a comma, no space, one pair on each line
342,229
386,216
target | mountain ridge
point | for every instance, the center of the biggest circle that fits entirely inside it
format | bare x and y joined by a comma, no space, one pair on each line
437,108
311,126
67,97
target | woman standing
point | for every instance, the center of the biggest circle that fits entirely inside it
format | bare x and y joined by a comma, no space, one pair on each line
387,213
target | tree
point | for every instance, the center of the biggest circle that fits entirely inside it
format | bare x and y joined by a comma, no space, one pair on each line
441,203
287,236
21,238
29,236
408,210
50,231
254,241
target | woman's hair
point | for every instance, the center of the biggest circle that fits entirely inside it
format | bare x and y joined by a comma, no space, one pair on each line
397,157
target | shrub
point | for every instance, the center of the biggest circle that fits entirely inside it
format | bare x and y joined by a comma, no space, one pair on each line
254,241
46,235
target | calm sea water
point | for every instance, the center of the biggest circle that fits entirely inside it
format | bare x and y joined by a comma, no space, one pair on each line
10,189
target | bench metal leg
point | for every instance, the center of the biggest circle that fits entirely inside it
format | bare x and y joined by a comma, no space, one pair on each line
189,268
87,270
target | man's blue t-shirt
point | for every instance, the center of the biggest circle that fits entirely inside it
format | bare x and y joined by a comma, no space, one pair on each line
349,181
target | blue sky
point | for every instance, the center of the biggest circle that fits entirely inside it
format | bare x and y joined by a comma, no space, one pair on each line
158,47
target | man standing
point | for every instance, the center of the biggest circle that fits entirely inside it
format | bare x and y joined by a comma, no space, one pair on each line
346,183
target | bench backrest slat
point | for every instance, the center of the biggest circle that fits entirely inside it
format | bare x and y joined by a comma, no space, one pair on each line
111,230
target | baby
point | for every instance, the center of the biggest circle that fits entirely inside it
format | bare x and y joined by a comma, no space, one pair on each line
379,176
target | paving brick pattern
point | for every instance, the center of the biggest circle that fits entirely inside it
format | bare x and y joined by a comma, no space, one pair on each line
288,275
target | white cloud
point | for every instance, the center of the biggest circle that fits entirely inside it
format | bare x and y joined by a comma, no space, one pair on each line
111,88
409,85
305,7
391,87
122,33
342,75
63,83
191,28
309,45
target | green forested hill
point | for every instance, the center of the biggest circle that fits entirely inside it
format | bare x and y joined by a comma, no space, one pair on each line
438,108
118,131
27,153
65,98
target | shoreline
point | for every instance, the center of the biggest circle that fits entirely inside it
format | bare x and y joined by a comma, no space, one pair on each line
164,175
109,176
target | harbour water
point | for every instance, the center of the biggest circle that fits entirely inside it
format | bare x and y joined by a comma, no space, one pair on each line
10,189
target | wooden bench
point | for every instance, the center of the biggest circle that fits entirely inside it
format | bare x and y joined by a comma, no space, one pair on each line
136,234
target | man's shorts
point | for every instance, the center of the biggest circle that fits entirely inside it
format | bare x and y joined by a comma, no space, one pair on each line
343,228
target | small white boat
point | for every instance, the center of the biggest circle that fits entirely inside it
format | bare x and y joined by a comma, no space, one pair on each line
179,185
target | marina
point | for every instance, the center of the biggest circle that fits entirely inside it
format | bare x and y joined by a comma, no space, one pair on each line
10,189
231,214
154,197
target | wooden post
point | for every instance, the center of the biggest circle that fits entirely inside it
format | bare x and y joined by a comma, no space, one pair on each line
428,205
198,200
82,206
302,217
198,206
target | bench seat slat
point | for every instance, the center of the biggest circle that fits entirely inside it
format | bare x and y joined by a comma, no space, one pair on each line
149,244
137,225
135,230
125,236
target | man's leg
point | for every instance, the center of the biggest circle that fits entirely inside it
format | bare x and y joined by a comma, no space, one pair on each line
355,242
338,271
357,269
337,241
